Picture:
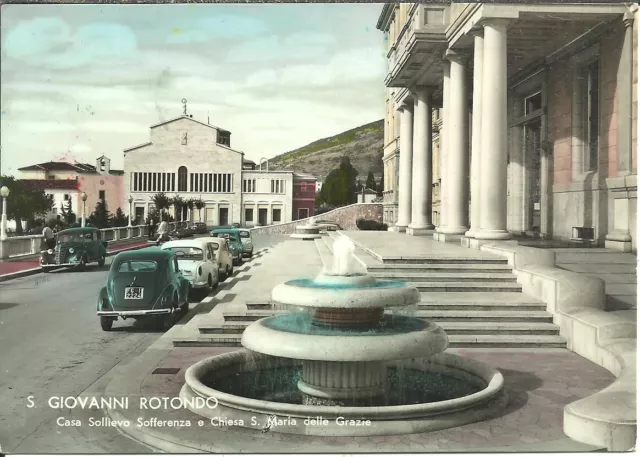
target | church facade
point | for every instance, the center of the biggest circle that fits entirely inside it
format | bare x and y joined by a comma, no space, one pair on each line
195,160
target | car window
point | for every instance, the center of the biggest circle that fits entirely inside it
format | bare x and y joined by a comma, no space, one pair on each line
136,266
187,253
176,268
214,246
70,238
244,234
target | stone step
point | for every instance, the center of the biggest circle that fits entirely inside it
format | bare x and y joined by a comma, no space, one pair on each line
464,297
447,277
259,305
434,315
443,260
435,267
482,306
452,328
455,341
470,286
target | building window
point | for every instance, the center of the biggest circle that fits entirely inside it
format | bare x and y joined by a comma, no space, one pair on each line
532,103
182,179
190,182
591,119
101,195
303,213
67,197
303,187
184,137
134,181
276,215
277,186
249,185
248,214
144,183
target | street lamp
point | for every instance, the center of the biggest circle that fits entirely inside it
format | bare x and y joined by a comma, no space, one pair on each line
5,194
84,200
130,215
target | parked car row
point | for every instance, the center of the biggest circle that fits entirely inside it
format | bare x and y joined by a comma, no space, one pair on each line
156,281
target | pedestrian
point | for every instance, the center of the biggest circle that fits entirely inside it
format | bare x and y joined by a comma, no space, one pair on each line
152,227
163,230
49,237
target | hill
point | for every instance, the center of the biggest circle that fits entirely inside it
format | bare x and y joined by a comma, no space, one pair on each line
363,145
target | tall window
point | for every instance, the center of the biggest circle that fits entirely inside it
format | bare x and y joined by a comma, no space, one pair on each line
101,195
591,119
182,179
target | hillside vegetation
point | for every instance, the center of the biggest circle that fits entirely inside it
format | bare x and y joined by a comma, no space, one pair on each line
362,145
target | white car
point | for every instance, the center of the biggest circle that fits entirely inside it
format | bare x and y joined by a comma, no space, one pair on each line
223,255
197,262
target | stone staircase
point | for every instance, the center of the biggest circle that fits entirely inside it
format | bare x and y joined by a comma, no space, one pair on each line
476,301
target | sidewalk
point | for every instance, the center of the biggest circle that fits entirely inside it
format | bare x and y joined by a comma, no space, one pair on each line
27,265
540,382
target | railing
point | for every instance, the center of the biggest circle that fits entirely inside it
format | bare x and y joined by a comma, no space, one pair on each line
20,246
389,196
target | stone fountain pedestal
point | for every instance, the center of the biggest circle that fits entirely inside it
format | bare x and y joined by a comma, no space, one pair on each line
310,231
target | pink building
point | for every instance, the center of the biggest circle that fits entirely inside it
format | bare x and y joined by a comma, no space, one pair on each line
98,181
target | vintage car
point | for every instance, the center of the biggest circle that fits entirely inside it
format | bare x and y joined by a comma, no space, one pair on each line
200,228
223,255
75,247
180,233
141,284
235,245
247,242
197,262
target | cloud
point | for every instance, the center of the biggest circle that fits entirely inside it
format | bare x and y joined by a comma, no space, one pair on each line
49,42
218,27
295,46
347,66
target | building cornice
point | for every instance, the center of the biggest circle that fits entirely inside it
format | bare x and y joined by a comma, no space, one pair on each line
385,16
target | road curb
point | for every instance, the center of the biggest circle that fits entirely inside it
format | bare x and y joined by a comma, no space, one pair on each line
34,271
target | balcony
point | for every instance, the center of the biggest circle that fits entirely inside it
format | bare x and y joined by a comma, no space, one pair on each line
420,45
389,197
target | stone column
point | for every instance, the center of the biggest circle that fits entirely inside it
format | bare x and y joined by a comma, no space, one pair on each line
444,150
422,173
625,101
406,161
493,169
255,215
457,205
270,215
476,132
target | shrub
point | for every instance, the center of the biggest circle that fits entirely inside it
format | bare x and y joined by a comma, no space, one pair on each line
367,224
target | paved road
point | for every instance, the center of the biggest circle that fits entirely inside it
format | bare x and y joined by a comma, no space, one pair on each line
52,345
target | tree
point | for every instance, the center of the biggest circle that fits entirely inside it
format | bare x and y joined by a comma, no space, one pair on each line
161,202
381,185
371,181
339,188
199,204
178,203
67,213
24,203
100,217
191,203
119,219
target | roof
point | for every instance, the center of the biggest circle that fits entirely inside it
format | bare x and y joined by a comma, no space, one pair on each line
137,147
43,184
67,166
184,116
385,15
297,175
247,161
152,253
184,243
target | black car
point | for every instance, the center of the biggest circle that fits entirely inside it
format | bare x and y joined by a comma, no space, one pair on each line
200,228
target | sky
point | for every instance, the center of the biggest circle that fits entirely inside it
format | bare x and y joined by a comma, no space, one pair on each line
80,81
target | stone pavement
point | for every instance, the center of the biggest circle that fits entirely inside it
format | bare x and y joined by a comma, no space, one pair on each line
540,382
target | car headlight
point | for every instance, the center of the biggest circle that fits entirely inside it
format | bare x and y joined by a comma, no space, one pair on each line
71,250
49,251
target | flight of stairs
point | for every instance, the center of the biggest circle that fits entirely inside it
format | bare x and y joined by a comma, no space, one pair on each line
476,301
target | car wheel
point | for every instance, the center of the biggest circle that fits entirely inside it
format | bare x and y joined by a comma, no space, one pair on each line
230,270
210,284
106,323
102,261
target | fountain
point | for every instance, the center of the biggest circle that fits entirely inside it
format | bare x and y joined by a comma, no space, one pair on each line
335,363
309,231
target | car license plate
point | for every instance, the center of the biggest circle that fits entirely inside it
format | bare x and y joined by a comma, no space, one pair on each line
133,293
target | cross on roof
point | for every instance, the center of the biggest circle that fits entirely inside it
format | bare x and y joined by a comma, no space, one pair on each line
184,105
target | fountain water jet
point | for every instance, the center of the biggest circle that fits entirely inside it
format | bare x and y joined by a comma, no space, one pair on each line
343,356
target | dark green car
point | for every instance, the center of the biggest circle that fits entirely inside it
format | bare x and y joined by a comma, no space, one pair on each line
141,284
75,247
235,243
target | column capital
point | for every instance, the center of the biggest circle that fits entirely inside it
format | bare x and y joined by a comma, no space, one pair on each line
627,20
429,90
494,21
405,105
456,56
477,32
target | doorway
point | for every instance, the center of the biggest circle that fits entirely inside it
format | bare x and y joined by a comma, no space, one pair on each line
223,216
533,158
262,216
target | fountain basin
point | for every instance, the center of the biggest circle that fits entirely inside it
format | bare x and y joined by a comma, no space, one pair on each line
348,292
421,341
310,231
485,384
